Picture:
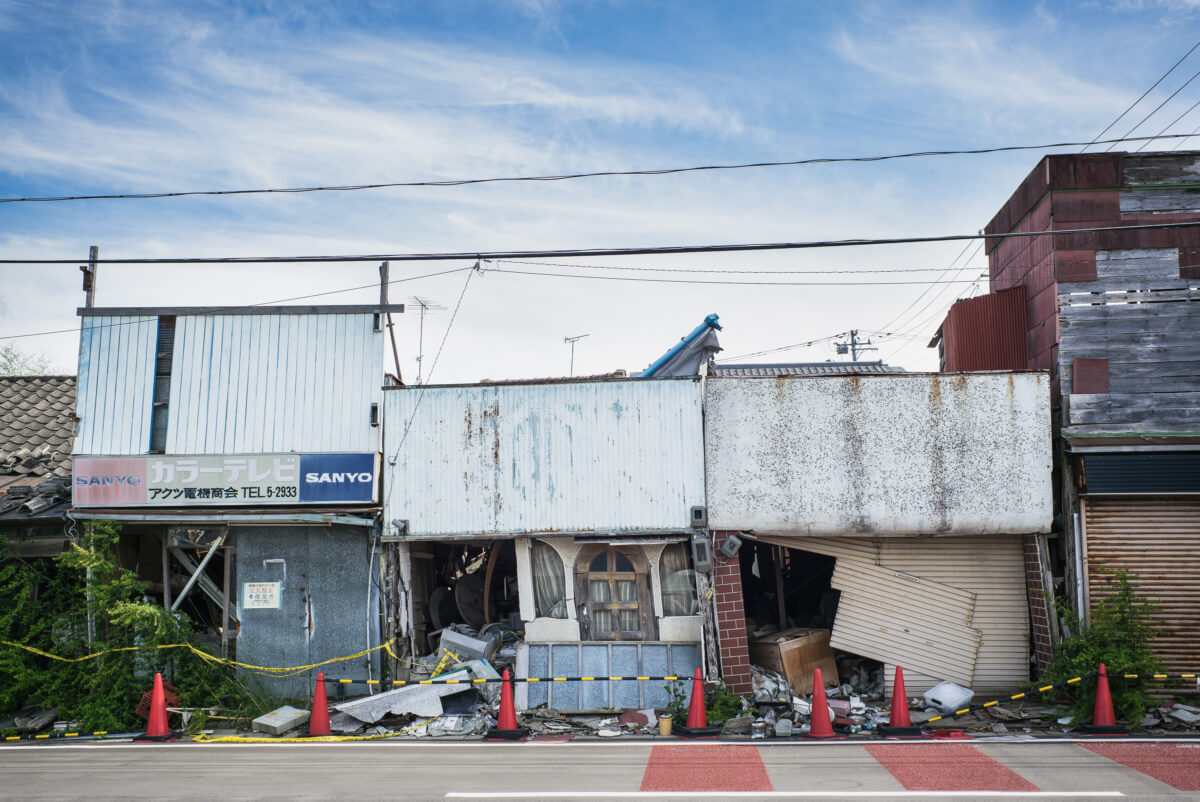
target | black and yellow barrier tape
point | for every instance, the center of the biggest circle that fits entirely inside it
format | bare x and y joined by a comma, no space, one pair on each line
1154,676
1015,697
440,681
54,736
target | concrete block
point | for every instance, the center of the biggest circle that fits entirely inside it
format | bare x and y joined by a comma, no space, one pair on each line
466,647
280,720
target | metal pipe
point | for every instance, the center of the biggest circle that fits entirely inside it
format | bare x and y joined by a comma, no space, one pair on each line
199,570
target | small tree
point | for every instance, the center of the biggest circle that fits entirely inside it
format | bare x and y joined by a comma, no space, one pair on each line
15,362
1120,635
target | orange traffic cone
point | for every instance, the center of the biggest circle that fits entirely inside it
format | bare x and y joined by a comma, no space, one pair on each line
697,715
820,728
318,722
156,726
899,723
1104,721
697,720
506,723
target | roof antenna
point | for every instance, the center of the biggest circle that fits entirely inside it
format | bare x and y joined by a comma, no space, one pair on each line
572,341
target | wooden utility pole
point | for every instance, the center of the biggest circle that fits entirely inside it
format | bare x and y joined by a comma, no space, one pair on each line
383,307
89,277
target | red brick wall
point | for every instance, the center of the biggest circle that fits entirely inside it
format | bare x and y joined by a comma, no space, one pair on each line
1039,613
731,619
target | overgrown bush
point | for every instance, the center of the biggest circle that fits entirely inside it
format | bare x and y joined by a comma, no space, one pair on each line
1119,634
720,703
45,604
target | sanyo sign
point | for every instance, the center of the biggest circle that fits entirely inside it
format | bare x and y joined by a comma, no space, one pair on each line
170,480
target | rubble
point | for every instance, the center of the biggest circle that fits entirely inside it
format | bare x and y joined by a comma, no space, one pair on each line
280,720
416,700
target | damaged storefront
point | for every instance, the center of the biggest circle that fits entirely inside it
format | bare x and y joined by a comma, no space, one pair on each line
239,451
552,521
869,522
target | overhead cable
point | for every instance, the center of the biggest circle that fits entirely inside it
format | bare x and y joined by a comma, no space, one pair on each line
1096,140
579,252
459,182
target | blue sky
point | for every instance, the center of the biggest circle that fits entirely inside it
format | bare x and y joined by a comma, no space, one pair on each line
114,97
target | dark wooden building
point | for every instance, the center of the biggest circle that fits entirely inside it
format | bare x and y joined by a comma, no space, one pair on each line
1114,315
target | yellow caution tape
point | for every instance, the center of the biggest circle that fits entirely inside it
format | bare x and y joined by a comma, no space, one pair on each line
203,656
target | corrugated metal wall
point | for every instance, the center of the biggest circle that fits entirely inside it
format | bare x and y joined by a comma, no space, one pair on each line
990,568
986,333
264,383
567,457
116,384
1158,539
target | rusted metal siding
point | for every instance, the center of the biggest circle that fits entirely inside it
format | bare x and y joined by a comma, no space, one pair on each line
116,384
1158,539
907,454
622,456
271,383
986,333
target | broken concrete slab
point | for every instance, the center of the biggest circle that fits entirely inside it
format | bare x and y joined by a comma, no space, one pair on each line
417,700
467,647
34,721
344,723
1184,713
280,720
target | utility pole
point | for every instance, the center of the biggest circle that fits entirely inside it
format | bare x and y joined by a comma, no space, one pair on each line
89,277
572,341
425,305
383,307
855,346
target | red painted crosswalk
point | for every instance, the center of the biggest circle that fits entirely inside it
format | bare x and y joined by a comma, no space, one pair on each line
916,767
1177,765
722,767
946,767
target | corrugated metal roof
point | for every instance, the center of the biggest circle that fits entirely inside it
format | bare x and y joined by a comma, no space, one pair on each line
610,456
116,383
244,384
803,369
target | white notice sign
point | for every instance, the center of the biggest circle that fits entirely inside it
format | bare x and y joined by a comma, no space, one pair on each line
260,596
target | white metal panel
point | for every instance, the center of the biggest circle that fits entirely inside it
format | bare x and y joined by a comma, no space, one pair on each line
991,567
274,383
116,384
913,621
564,457
880,455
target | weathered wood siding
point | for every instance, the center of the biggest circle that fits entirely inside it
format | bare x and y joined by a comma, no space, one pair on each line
1144,318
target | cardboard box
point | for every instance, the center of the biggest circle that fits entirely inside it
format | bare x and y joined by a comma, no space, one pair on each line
794,654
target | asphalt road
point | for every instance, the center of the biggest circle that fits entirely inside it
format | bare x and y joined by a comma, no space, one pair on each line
591,770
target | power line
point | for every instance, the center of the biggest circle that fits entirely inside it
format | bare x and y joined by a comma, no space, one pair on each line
493,256
1139,100
1168,125
732,270
781,348
731,282
458,182
1160,105
218,310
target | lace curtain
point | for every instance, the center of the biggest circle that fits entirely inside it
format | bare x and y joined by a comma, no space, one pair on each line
549,582
678,581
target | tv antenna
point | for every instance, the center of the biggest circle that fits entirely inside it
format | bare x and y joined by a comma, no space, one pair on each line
425,305
855,346
572,341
